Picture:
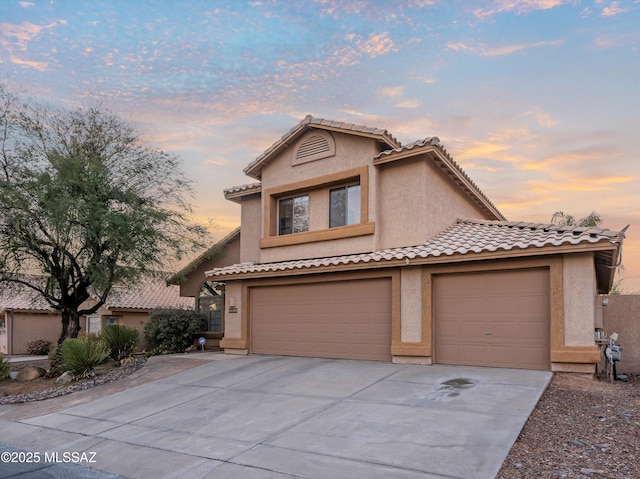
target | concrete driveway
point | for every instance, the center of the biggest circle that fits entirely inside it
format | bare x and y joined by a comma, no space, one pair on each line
277,417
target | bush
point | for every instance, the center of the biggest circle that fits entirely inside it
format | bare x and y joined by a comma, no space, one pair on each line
4,367
121,340
39,347
173,329
81,355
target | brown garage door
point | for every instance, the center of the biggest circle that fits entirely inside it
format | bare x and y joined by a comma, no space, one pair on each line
347,319
493,319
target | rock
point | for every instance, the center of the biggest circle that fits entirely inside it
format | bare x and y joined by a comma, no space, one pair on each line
577,443
30,373
66,378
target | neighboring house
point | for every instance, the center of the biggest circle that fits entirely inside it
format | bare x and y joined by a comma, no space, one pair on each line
354,246
25,317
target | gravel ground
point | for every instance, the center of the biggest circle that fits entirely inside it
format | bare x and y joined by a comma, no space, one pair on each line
580,428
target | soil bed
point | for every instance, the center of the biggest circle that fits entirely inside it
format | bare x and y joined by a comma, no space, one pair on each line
12,391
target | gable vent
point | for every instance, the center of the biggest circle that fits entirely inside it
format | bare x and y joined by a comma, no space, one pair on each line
314,147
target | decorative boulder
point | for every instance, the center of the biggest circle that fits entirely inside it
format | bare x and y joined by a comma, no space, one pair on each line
66,378
30,373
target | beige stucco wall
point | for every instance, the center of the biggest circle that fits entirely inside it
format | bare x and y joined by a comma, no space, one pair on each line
351,152
233,320
411,304
251,232
579,288
622,316
416,202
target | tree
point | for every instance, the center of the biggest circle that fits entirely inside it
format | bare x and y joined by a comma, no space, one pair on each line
593,219
84,205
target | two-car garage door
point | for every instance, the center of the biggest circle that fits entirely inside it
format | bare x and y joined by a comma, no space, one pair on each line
493,319
344,319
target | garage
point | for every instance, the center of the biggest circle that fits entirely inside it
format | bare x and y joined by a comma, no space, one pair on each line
344,319
498,318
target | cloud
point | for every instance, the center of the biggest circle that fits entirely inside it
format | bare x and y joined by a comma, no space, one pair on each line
613,9
392,91
216,162
26,4
486,51
520,7
376,44
40,66
23,33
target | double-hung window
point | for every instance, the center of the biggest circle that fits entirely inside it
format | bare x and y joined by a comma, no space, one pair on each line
344,206
293,215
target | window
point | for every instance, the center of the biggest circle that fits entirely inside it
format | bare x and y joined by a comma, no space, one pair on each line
293,215
344,206
109,320
211,304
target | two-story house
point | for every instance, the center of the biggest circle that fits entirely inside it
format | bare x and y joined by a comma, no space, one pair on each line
354,246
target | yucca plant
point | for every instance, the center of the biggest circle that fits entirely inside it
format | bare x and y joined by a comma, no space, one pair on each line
81,355
121,340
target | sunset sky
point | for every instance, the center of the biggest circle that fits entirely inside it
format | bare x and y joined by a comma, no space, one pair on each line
537,100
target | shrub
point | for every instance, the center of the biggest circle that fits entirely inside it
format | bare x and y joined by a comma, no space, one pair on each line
81,355
121,340
4,367
39,347
173,329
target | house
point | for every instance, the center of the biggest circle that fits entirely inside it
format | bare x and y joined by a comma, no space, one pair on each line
354,246
25,317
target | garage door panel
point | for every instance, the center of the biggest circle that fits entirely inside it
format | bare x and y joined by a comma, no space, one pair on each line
513,306
333,319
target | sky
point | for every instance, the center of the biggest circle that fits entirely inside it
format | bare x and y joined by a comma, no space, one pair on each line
537,100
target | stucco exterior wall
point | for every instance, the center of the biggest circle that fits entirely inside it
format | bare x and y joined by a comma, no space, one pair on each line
411,304
416,202
351,152
233,310
579,288
622,316
251,232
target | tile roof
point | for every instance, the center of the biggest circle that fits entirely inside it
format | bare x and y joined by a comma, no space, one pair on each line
237,191
465,237
311,122
22,298
150,293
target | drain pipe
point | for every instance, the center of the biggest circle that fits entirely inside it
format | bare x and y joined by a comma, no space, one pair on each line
10,349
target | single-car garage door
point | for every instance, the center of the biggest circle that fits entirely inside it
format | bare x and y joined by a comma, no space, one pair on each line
346,319
493,319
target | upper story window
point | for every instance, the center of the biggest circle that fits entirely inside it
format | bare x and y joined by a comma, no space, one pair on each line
293,215
344,206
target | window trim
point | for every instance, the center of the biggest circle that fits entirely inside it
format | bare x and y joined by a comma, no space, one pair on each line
271,239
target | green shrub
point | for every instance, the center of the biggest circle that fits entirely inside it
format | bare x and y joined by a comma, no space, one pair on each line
121,340
173,329
4,367
39,347
81,355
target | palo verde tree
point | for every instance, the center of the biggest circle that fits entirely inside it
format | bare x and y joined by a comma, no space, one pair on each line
85,204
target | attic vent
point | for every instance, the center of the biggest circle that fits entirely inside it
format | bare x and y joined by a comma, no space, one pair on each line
314,146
